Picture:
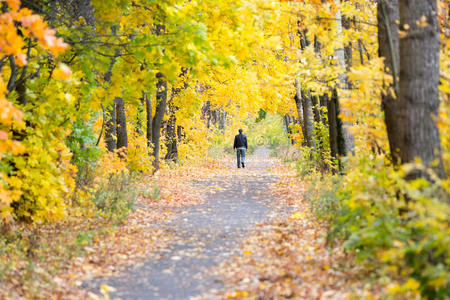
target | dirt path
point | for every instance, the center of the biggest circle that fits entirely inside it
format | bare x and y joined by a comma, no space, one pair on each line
204,235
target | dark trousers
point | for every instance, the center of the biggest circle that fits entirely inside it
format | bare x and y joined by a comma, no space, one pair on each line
240,153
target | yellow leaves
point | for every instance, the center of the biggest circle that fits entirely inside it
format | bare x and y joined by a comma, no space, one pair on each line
106,11
273,42
11,43
297,216
237,295
105,290
138,159
364,103
410,287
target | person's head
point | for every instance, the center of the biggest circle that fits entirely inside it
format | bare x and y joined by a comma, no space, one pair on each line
240,130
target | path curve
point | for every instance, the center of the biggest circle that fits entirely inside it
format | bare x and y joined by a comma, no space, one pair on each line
205,235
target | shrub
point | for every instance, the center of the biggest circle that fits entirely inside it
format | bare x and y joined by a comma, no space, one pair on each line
115,196
399,226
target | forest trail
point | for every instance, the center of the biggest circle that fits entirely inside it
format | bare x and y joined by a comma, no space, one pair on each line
204,235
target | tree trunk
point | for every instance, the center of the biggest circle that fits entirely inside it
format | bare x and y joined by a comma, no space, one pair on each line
308,119
348,48
388,40
148,110
316,109
298,103
361,52
222,119
343,84
337,142
206,113
419,81
180,133
121,126
161,101
323,106
287,122
110,128
332,127
140,114
171,135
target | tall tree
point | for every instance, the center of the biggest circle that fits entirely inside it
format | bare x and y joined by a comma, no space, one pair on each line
339,53
110,119
337,142
110,128
388,40
304,97
419,81
148,112
308,119
410,123
298,102
121,124
171,131
161,102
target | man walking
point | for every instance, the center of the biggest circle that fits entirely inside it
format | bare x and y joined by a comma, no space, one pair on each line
240,144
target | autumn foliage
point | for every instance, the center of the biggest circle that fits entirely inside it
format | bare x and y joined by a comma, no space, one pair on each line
95,95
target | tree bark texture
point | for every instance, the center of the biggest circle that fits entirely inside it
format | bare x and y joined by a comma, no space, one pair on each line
339,53
110,128
316,109
180,133
323,102
222,121
298,102
161,102
148,110
308,119
332,128
388,40
206,113
337,142
140,114
288,120
419,81
171,134
121,125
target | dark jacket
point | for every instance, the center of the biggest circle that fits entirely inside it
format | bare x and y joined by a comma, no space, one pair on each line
240,141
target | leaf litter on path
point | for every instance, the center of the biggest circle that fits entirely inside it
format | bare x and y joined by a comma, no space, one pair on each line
283,257
204,235
287,257
57,270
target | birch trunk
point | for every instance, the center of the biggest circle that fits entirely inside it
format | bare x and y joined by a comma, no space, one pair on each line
339,53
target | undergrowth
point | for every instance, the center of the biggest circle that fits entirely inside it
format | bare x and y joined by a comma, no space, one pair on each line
31,255
398,229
